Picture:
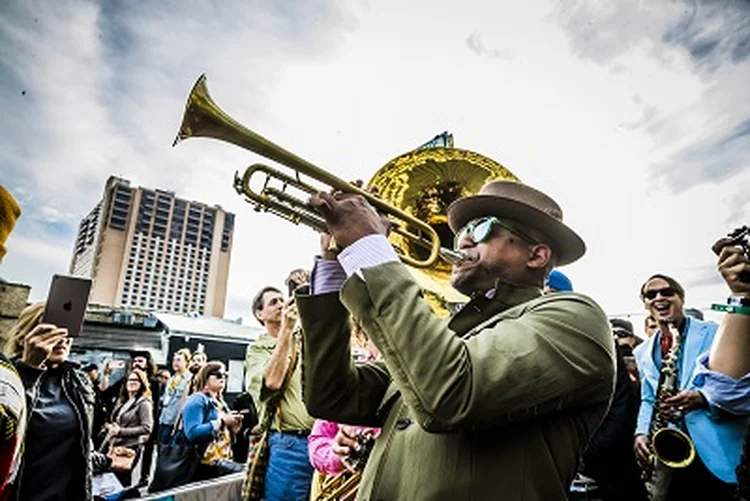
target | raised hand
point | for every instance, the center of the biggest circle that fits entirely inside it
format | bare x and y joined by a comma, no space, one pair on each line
38,344
734,266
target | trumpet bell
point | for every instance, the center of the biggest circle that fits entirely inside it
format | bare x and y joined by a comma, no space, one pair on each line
423,183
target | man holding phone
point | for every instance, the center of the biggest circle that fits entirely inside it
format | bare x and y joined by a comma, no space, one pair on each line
273,374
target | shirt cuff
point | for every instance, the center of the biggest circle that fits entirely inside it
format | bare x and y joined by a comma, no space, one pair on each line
327,276
369,251
217,425
728,394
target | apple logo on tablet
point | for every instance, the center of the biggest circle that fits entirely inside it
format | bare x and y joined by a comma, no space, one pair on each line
68,306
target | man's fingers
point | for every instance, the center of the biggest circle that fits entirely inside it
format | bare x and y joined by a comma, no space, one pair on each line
681,398
732,274
721,244
729,250
731,257
323,203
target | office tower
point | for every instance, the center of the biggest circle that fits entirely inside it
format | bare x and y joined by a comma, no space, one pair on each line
151,249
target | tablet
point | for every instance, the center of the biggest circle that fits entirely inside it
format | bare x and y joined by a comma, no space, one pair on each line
66,303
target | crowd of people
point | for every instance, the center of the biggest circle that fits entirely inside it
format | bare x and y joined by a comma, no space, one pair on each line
529,391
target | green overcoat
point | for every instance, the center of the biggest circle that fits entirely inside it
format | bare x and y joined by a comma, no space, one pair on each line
498,403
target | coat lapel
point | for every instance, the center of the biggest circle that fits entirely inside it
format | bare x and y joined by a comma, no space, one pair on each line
697,341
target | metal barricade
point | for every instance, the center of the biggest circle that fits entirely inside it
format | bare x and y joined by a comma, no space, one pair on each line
225,488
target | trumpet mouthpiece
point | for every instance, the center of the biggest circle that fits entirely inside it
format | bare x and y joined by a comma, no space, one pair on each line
453,257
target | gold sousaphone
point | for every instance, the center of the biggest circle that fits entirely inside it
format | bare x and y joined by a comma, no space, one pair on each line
423,183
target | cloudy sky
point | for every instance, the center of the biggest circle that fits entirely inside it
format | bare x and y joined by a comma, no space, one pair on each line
634,115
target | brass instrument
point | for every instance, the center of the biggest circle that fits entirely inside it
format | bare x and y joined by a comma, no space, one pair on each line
423,183
670,446
203,118
344,486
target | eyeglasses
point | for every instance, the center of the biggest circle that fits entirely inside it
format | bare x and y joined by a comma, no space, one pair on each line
134,380
218,374
481,229
665,292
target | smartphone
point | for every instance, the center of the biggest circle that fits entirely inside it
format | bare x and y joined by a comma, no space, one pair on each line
66,303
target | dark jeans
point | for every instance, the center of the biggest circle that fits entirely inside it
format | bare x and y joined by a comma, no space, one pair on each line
289,471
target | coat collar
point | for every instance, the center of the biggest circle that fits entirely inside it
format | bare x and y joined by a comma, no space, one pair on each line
484,306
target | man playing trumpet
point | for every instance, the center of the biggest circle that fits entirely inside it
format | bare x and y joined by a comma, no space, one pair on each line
498,402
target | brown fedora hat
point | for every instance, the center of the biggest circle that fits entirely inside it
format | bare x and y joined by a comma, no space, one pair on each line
513,200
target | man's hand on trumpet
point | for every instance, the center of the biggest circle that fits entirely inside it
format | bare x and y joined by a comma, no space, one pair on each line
349,217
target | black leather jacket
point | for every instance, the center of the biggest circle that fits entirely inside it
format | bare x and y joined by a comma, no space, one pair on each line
79,391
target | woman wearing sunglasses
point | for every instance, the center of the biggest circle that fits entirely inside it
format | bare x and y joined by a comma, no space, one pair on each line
209,424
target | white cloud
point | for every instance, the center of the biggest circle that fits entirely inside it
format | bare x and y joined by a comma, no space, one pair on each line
593,106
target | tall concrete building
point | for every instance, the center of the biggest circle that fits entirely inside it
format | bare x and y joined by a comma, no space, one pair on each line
150,249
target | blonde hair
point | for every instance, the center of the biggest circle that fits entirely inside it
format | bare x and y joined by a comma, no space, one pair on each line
185,353
27,320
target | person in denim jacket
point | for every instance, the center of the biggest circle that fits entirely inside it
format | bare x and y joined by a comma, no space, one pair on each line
209,424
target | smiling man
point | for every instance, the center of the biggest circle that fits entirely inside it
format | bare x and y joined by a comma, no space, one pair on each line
716,435
498,402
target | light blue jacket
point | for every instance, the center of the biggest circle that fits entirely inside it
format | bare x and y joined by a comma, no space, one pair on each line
173,398
717,436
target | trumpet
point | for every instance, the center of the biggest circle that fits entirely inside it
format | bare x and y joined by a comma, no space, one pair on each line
203,118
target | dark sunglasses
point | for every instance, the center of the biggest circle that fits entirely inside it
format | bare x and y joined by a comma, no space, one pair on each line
218,374
665,292
481,230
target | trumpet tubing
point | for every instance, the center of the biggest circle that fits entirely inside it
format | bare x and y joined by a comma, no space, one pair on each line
203,118
341,487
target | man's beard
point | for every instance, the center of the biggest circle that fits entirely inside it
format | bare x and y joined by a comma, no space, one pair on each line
194,369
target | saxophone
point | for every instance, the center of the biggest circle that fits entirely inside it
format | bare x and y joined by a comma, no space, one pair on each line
671,446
